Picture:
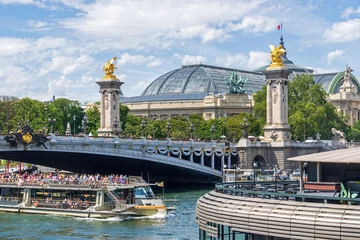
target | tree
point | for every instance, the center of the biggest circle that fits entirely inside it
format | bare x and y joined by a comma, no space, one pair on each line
132,126
93,115
124,111
64,110
309,110
7,122
29,111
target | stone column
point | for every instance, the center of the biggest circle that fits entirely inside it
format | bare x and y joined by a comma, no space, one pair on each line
222,161
277,127
110,109
229,161
213,161
268,103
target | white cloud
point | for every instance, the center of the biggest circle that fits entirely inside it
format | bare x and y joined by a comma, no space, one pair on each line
253,60
37,3
13,46
343,31
188,60
331,56
144,24
349,11
37,24
71,88
155,63
204,32
255,24
319,70
16,1
232,61
122,77
127,59
215,34
65,65
258,59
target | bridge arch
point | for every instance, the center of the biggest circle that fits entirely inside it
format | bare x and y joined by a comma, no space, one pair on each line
259,162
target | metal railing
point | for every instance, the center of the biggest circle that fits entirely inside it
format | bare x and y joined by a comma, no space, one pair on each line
282,190
81,184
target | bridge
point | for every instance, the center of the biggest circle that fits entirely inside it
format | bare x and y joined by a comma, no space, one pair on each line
161,160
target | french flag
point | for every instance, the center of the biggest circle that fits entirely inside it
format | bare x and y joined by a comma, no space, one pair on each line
279,27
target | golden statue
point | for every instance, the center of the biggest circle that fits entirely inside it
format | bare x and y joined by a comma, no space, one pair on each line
276,53
109,68
27,138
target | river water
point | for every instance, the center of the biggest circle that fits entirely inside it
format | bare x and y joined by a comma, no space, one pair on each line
180,225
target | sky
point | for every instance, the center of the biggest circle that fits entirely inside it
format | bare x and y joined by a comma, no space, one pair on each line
58,47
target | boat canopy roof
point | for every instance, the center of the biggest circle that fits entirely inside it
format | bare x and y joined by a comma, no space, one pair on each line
351,155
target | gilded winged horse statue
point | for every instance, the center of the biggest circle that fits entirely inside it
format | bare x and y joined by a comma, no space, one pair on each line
109,68
276,53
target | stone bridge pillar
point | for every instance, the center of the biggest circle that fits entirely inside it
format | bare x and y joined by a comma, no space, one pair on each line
277,127
110,108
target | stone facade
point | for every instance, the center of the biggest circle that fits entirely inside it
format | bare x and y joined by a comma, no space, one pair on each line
211,107
109,106
347,100
270,154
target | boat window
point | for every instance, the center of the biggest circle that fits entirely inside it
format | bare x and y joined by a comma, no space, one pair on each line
144,192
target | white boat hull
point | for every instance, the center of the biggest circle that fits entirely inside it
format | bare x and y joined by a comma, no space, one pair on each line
62,212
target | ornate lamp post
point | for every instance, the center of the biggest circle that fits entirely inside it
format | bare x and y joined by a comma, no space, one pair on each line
223,137
154,119
84,124
116,125
46,109
74,118
143,126
191,128
51,121
213,129
168,128
244,128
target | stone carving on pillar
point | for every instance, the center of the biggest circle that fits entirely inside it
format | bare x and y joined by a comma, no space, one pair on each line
275,95
110,89
106,101
273,135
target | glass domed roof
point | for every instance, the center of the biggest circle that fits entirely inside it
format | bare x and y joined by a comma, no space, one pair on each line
200,79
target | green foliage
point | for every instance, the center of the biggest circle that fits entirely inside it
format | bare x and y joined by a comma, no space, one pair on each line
29,110
260,109
64,111
7,122
14,113
93,115
309,110
124,110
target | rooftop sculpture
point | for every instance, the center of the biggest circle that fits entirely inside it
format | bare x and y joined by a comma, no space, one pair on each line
347,75
236,83
109,68
276,53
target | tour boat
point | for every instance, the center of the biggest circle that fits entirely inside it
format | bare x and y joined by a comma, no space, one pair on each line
81,199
